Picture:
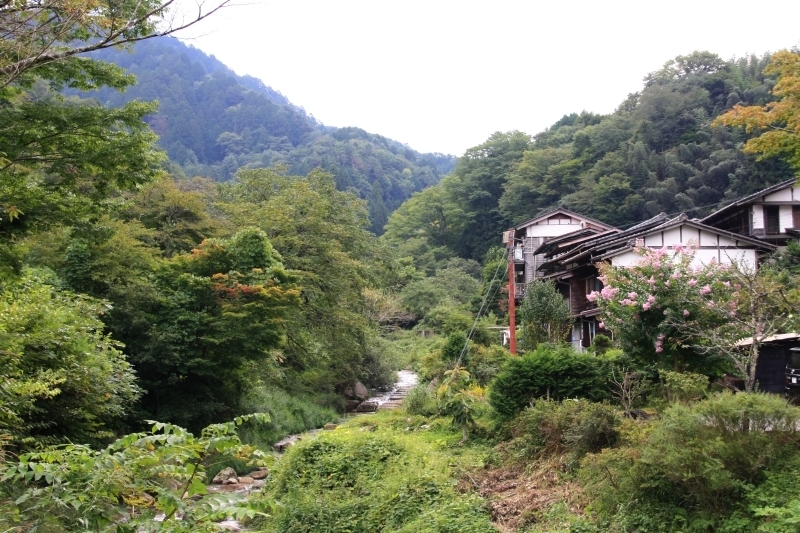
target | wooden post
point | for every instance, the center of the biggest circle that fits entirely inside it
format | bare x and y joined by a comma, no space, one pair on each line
512,319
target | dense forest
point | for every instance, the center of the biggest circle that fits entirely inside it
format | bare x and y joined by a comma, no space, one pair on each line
658,152
212,123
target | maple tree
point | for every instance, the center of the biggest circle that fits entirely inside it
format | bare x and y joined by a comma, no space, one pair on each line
779,121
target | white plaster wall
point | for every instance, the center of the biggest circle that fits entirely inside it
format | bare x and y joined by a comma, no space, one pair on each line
625,259
654,240
758,216
784,195
550,230
708,239
673,236
690,236
725,242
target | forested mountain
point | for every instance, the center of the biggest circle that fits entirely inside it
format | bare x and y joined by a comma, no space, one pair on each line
657,152
212,122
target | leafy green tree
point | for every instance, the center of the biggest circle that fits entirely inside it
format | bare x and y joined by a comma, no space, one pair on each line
208,315
544,315
322,236
62,376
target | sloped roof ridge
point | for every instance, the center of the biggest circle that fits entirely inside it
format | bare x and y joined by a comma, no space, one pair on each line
553,210
641,226
745,199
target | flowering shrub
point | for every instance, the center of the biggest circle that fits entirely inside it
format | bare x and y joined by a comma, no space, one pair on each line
699,317
647,305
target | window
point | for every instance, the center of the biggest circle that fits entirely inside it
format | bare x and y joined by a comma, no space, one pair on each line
772,219
796,216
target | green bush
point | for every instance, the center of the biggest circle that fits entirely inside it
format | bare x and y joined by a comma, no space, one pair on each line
420,402
555,372
683,386
577,427
693,469
486,362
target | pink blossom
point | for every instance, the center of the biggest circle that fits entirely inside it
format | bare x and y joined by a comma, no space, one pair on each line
651,281
609,292
602,325
666,283
678,247
660,336
646,306
726,283
659,349
656,264
685,312
651,298
705,290
603,279
632,295
692,282
592,296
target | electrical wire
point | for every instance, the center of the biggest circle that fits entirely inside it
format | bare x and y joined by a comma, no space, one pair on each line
486,298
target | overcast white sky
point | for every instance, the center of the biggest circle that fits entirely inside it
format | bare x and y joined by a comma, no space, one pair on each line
441,76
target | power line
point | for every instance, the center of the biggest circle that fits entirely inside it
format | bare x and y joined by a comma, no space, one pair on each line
483,303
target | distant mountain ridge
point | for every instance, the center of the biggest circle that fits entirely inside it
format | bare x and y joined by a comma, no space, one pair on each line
213,122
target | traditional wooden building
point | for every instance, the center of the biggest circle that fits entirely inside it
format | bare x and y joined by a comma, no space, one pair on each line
571,259
528,236
772,214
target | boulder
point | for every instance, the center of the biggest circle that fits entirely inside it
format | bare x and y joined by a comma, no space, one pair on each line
360,391
352,405
247,480
259,474
281,446
367,407
330,427
225,475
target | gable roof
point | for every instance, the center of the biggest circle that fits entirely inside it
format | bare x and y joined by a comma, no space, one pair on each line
752,197
560,210
608,244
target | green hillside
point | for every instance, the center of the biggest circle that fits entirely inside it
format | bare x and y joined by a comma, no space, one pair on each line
657,152
213,122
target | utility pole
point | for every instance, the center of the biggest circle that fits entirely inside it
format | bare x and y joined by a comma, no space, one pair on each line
512,319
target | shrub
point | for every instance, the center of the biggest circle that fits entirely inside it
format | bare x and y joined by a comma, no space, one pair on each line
698,462
576,427
683,386
555,372
420,402
486,362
